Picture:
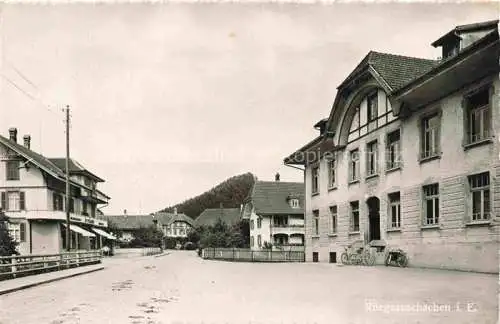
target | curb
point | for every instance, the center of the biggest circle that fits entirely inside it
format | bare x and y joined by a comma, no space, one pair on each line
11,290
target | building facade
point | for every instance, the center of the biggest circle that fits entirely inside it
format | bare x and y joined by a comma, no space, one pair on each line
33,196
409,157
275,211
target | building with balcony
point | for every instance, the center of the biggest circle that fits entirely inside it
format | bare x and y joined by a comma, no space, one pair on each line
275,211
409,157
33,196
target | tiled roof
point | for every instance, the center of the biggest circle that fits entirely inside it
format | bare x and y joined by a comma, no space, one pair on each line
169,218
272,197
130,221
395,70
36,158
74,167
210,216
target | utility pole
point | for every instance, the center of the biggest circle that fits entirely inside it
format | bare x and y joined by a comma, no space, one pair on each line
68,231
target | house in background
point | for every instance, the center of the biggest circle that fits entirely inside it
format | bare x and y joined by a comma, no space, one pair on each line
174,225
128,224
275,211
33,196
211,216
409,157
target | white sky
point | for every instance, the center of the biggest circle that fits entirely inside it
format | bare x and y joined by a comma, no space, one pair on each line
169,100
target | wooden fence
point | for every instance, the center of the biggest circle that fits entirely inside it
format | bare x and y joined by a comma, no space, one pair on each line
151,251
25,265
253,256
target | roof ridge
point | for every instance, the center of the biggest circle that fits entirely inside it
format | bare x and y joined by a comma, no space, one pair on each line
404,56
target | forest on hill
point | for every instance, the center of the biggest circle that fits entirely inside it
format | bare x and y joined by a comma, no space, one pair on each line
230,193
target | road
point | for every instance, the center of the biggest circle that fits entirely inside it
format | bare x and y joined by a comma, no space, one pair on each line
181,288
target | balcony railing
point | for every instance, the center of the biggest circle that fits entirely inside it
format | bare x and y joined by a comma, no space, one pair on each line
56,215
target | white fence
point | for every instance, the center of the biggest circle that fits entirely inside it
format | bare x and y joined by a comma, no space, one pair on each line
23,265
253,256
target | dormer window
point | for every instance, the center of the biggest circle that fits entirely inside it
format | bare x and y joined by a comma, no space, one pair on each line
294,202
450,50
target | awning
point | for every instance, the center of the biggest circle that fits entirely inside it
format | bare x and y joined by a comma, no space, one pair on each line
103,233
80,230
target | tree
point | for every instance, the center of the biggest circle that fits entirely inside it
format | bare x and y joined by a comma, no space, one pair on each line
147,237
7,244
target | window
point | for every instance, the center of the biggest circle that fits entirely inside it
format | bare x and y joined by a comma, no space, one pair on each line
371,163
280,221
259,222
430,136
354,166
13,170
84,208
57,202
395,209
294,203
354,216
393,158
480,196
478,116
251,241
259,240
372,107
13,200
315,179
331,173
17,232
315,222
450,50
71,205
333,219
333,257
252,224
431,204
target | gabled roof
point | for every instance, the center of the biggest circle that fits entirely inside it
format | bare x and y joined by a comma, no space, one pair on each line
129,222
394,70
35,158
455,32
272,197
74,167
169,218
210,216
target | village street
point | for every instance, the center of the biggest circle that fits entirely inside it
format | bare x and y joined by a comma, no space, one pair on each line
182,288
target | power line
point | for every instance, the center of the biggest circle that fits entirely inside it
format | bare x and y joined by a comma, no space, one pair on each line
22,75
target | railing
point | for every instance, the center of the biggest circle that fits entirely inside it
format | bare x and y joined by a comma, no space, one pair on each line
252,256
151,251
25,265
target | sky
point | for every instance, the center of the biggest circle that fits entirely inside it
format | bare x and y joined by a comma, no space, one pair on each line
169,100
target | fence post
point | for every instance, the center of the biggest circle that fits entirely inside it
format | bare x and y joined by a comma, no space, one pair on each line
234,257
45,264
13,262
77,259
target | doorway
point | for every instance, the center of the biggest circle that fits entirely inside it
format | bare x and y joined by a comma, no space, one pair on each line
373,218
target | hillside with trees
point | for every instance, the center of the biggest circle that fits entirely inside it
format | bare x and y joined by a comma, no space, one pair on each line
230,193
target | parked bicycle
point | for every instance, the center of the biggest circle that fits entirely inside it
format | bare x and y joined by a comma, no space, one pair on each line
356,255
396,257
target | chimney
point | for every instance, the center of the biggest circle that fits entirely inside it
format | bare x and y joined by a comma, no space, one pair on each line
13,134
277,177
27,141
175,210
125,212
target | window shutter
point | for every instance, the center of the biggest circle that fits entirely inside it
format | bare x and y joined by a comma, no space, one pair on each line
22,232
22,200
4,201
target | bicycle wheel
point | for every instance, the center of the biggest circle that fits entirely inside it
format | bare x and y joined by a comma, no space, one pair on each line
369,259
387,260
402,261
344,258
